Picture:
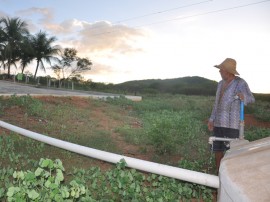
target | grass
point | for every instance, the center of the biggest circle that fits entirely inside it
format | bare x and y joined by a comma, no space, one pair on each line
261,110
166,126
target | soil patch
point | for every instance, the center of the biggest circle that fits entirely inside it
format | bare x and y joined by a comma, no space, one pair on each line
17,116
250,121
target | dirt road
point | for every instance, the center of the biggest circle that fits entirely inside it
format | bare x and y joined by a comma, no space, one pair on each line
8,88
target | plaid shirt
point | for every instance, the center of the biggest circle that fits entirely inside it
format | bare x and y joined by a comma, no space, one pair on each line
226,110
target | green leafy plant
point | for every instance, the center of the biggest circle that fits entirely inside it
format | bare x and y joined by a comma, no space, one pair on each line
255,133
174,132
33,106
44,184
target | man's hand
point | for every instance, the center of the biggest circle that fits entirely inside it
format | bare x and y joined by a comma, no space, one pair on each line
241,96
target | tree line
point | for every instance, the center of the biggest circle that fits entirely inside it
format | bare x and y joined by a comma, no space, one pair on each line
19,48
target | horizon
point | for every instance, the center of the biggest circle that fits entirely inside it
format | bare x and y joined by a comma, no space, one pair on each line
155,39
167,79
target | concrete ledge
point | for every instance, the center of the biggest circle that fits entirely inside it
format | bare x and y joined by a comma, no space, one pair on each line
11,88
103,97
245,173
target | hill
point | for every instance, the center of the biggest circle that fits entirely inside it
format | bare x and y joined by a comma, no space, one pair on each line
185,85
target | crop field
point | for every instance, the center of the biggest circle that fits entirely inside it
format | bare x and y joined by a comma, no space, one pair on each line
167,129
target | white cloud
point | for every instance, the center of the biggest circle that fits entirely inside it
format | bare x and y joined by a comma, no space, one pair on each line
46,13
103,35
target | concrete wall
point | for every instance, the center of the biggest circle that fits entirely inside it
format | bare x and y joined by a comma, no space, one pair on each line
245,172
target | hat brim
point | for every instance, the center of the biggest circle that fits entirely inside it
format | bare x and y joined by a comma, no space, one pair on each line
219,66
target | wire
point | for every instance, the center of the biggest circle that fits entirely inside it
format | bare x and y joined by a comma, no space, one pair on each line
206,13
155,13
190,16
164,11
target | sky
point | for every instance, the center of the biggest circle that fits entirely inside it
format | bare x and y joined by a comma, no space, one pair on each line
155,39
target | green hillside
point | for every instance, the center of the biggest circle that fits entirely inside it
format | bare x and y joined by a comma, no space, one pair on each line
186,85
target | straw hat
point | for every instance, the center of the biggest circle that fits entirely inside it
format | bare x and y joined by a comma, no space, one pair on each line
228,65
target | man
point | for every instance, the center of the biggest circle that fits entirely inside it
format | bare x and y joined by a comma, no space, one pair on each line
225,118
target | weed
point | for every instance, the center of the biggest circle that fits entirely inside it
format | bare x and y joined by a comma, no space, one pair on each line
261,110
33,106
255,133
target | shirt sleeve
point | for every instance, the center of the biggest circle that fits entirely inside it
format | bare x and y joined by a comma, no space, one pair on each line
244,89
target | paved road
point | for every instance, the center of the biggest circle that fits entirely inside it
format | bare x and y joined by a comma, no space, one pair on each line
10,88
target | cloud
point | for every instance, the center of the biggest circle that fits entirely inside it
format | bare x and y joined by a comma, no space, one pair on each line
86,37
46,13
106,73
103,35
99,68
65,28
45,17
102,42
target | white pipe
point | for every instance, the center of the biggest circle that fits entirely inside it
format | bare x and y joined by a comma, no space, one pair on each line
165,170
241,130
223,139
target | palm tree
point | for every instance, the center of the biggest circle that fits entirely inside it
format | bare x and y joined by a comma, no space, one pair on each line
2,58
12,33
44,51
27,53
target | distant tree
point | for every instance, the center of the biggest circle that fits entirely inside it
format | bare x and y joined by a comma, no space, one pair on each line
12,32
77,78
68,57
44,51
70,65
57,72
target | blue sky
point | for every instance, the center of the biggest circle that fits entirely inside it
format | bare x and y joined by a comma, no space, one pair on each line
156,39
